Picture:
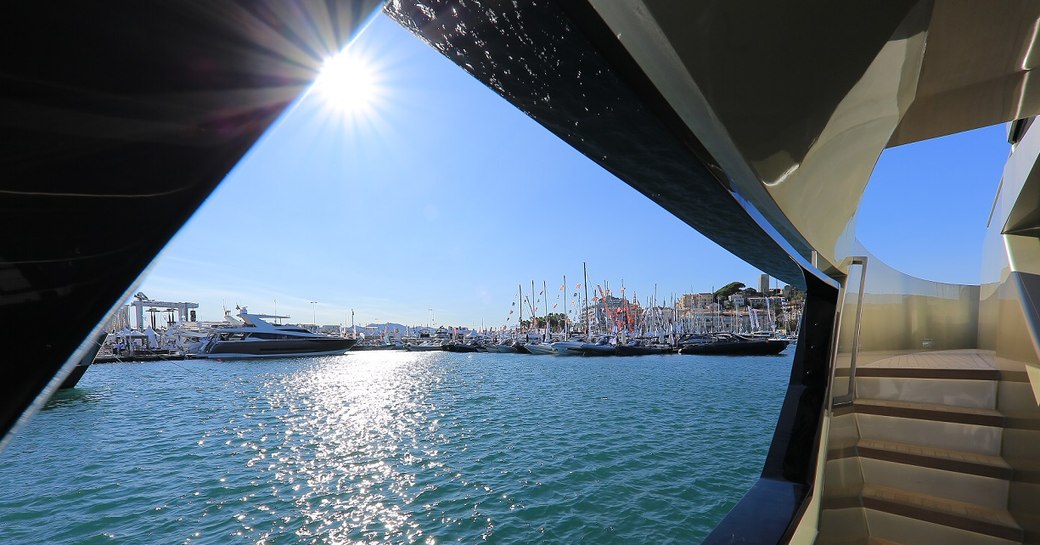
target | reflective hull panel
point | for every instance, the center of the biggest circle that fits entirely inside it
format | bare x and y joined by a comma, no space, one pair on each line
279,348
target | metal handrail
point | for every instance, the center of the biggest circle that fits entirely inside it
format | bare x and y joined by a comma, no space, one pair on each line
850,395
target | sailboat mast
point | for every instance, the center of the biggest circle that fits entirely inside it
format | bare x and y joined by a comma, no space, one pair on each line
520,303
545,294
566,330
534,320
588,328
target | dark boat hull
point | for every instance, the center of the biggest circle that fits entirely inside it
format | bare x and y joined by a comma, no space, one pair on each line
369,347
769,347
641,351
73,378
280,348
459,348
84,362
593,350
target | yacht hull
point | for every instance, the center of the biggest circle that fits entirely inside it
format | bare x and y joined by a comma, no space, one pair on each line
464,348
424,348
641,351
541,349
567,348
594,350
280,348
769,347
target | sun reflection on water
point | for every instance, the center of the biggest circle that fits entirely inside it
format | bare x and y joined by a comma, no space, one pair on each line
357,430
393,448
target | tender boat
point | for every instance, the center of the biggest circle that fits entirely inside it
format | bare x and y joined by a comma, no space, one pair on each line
602,347
460,347
501,348
568,348
541,349
257,338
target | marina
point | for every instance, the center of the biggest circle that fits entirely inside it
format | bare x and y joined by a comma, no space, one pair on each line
606,326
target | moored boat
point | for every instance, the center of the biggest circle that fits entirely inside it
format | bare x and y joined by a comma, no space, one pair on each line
639,349
602,347
257,338
500,348
459,347
735,345
567,348
425,346
541,349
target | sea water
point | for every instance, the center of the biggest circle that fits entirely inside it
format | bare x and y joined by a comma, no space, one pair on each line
394,447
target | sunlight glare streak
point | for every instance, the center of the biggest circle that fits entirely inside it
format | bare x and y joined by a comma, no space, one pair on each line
355,440
348,83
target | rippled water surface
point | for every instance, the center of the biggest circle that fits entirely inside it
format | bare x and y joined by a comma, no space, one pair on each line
394,447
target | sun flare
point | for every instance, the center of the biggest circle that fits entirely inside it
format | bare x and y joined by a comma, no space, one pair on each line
348,83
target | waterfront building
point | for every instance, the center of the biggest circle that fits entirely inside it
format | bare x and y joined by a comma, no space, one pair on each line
689,302
602,313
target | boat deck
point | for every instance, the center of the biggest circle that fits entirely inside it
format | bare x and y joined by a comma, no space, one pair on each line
938,359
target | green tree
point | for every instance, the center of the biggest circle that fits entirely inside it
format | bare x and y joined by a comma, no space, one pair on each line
556,320
729,289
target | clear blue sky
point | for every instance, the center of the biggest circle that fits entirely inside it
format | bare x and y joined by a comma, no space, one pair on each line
446,198
926,207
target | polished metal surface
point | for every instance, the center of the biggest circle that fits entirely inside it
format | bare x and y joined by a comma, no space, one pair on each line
1009,327
795,101
978,64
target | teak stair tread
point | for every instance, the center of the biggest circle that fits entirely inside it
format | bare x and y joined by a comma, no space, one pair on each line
955,514
929,411
926,456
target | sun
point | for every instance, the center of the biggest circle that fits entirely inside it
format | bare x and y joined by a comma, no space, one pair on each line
348,83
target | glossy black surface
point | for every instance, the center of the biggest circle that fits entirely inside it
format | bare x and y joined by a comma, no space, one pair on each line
752,347
118,119
769,511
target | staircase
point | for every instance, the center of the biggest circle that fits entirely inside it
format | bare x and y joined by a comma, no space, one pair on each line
916,459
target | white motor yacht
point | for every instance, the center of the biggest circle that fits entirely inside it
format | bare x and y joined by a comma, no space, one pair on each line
257,338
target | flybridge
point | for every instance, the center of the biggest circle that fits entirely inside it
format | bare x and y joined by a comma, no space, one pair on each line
257,320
